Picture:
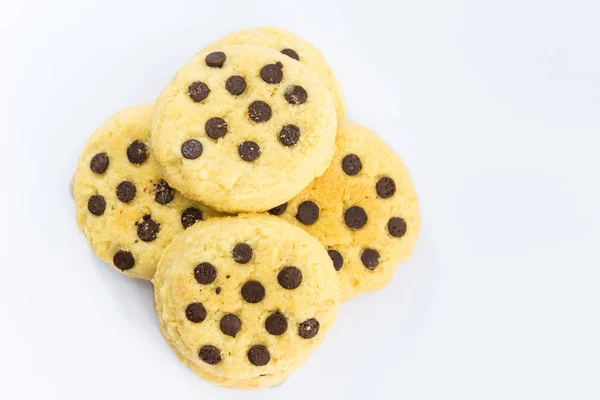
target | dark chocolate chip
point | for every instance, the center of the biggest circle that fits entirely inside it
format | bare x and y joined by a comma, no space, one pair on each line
230,325
280,209
289,278
218,290
272,73
198,91
210,355
99,163
216,59
215,128
289,135
148,229
137,152
253,292
195,312
336,258
249,150
242,253
291,53
296,95
396,227
351,164
190,216
205,273
308,213
235,85
164,193
123,260
276,324
355,217
259,111
97,205
309,328
191,149
126,191
370,258
259,355
386,187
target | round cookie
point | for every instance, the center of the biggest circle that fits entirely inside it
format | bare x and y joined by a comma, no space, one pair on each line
364,209
243,128
128,212
244,301
295,47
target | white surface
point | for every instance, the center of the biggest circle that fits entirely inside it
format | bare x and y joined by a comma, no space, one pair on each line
495,106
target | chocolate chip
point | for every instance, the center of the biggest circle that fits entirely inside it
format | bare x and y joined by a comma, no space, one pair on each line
137,152
259,355
126,191
272,73
195,312
99,163
336,258
396,227
249,150
296,95
355,217
370,258
198,91
218,290
289,278
215,128
289,135
147,230
291,53
97,205
351,164
123,260
205,273
276,324
190,216
280,209
191,149
253,292
164,193
309,328
235,85
242,253
210,355
216,59
308,213
230,325
259,111
386,187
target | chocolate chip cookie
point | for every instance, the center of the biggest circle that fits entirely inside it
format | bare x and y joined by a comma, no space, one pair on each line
245,300
364,209
125,207
243,128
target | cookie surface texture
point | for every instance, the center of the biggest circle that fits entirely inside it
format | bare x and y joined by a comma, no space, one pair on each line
294,47
245,322
128,212
364,209
243,128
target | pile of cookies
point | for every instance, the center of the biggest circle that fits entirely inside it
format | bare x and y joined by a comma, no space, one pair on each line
251,201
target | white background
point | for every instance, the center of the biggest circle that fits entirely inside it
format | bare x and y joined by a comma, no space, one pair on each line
495,106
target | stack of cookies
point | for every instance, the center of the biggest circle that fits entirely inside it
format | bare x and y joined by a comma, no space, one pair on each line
251,201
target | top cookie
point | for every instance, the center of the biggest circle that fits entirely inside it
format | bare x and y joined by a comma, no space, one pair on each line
244,128
293,46
128,212
364,209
